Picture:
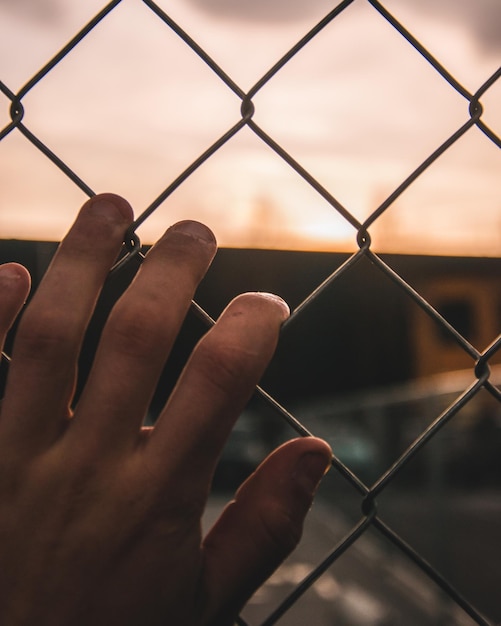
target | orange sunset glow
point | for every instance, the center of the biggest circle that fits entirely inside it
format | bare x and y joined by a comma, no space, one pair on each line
131,107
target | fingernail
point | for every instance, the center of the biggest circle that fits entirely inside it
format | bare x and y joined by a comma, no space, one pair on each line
196,230
310,470
110,206
279,301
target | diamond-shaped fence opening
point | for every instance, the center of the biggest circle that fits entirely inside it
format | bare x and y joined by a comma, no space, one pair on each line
378,569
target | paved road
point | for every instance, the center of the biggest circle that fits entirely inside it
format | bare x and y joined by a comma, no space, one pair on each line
368,586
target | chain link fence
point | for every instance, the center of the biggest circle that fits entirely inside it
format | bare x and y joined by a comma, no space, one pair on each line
480,373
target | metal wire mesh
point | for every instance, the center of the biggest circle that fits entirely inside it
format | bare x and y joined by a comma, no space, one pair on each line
480,370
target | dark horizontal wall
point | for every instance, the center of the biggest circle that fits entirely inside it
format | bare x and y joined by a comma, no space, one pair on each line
354,336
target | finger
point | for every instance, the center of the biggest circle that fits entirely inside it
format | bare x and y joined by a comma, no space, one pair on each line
262,526
216,384
50,334
139,335
14,289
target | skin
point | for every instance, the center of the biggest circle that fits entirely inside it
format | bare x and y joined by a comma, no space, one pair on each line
100,517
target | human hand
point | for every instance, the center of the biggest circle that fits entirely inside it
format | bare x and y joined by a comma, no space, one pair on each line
100,518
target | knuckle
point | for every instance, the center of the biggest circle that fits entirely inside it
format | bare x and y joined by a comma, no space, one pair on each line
279,529
225,365
136,331
44,335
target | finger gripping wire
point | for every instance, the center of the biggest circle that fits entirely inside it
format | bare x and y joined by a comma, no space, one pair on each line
132,247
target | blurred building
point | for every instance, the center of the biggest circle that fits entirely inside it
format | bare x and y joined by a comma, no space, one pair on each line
363,331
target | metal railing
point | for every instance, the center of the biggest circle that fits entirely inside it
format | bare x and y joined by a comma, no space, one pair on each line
480,374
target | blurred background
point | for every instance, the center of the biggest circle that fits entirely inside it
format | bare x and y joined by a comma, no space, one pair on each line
131,107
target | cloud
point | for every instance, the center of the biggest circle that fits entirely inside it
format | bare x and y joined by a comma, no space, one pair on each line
260,10
481,18
33,10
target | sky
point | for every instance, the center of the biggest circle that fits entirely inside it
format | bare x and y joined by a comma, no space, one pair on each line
132,106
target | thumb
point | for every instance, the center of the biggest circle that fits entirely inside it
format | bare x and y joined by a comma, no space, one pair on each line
262,526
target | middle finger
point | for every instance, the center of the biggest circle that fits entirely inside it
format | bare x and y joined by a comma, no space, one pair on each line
139,335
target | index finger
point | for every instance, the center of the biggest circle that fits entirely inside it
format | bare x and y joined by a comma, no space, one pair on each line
215,385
